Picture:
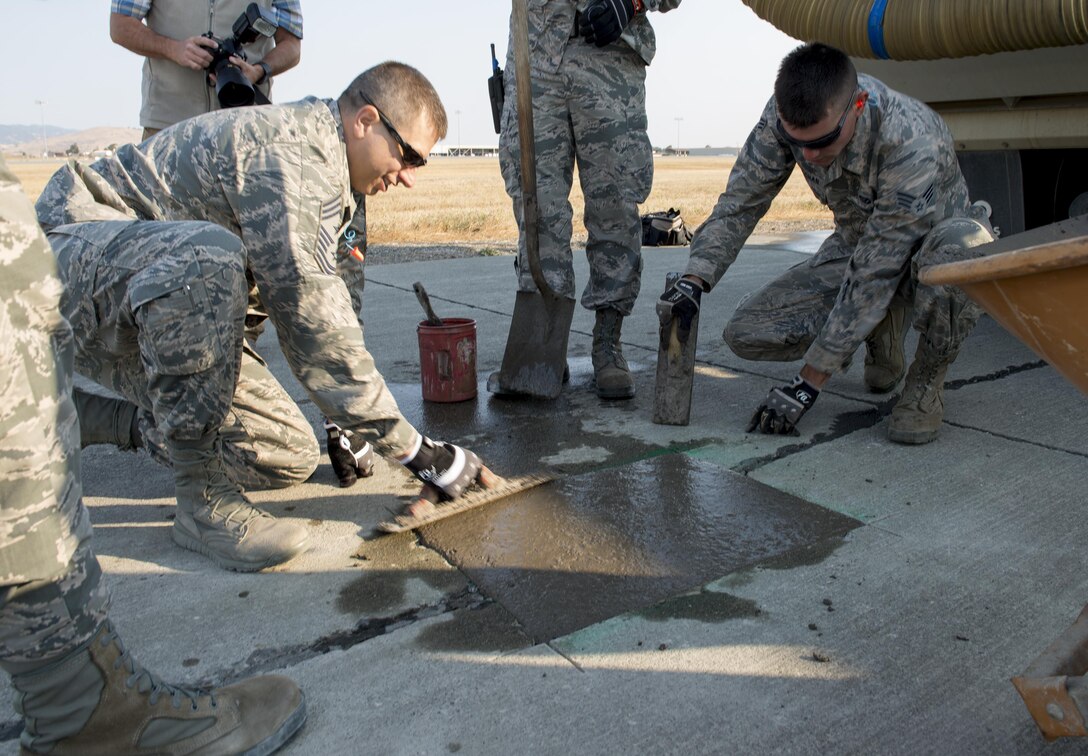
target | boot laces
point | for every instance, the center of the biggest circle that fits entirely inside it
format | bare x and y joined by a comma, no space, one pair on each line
147,682
228,502
923,385
607,344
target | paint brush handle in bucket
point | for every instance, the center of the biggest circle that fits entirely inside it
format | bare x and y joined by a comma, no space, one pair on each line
421,295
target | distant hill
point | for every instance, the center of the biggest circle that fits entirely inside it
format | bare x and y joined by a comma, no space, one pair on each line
88,140
12,134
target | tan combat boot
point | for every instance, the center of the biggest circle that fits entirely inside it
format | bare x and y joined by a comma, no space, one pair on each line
884,360
916,418
99,701
104,420
215,518
610,370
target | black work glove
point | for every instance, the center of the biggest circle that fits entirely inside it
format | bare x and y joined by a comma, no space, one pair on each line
446,471
603,21
680,301
783,407
352,457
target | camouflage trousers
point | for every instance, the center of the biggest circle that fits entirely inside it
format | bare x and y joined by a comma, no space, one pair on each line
50,597
47,619
158,310
592,113
778,322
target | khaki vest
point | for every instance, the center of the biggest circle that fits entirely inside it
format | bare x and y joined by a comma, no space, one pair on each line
172,93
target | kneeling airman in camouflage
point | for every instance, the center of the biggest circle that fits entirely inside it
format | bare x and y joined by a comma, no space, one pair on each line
172,250
886,166
78,688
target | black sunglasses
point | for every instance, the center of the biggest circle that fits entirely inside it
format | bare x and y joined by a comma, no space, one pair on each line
826,139
408,153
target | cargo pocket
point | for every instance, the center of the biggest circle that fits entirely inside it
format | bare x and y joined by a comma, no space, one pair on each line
635,153
178,334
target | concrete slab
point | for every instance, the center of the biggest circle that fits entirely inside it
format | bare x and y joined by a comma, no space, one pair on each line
861,652
1035,405
401,652
585,548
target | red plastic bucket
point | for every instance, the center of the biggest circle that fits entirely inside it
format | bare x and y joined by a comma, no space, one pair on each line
447,359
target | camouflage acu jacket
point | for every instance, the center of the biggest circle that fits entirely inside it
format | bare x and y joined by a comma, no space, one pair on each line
551,24
896,179
277,177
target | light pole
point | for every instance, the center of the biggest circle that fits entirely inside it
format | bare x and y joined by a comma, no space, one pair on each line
458,112
678,120
41,104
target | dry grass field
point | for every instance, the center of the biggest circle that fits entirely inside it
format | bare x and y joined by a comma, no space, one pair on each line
33,174
462,200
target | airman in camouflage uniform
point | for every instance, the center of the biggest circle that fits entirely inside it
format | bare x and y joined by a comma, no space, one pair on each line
55,637
171,249
885,165
588,60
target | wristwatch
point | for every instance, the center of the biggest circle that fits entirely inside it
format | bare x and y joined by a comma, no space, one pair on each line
267,72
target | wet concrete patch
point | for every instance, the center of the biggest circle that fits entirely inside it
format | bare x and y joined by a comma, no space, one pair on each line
378,592
704,606
518,436
804,556
488,628
585,548
397,574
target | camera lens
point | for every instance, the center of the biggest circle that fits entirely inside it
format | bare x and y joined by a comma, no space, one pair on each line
232,87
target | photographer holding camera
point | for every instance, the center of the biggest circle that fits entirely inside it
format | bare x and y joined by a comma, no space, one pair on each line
171,35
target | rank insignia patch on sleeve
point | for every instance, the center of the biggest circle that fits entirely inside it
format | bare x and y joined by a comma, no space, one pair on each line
330,214
917,205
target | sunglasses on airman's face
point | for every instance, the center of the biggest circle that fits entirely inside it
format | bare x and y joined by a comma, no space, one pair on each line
409,156
826,139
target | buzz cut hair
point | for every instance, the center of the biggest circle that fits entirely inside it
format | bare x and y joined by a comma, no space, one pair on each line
813,80
401,92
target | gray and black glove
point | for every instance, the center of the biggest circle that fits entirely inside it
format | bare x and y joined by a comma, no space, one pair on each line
783,408
603,21
352,457
446,470
680,301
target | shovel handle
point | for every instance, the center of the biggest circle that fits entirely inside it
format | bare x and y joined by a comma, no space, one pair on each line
527,142
421,295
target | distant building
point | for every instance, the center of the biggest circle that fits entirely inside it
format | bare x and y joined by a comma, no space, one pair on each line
467,150
713,151
696,151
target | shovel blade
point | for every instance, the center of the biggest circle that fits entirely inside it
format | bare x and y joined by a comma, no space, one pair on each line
536,348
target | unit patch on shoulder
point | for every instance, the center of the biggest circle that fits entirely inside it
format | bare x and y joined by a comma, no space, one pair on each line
917,205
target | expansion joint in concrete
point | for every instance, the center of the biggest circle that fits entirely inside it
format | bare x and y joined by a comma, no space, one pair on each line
269,659
566,656
994,376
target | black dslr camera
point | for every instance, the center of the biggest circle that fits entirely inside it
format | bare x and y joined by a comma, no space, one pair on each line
231,85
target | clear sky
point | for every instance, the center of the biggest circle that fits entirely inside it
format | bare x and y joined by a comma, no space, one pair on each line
715,64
